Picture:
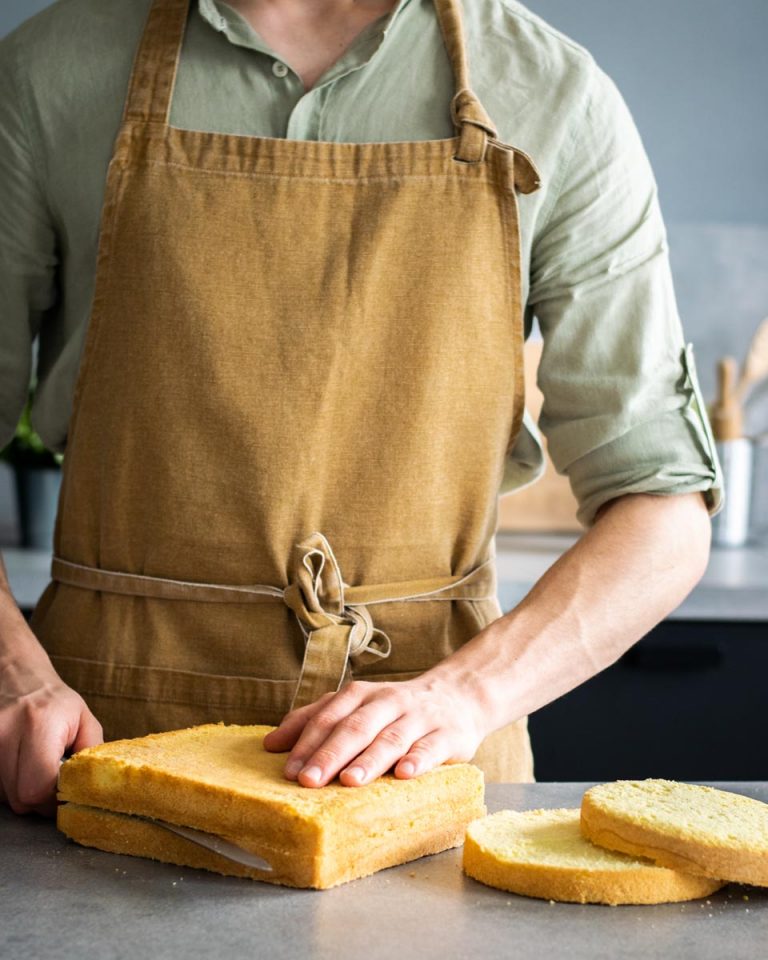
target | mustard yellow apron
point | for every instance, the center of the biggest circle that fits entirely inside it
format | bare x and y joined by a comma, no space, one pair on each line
300,379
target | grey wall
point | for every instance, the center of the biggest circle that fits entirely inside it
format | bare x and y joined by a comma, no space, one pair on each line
12,12
695,75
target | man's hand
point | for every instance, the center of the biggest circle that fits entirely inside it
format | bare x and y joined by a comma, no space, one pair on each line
366,728
41,720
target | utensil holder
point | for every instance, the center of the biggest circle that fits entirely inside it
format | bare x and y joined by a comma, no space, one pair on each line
730,528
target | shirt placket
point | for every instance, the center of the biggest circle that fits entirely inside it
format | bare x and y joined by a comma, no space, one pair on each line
304,108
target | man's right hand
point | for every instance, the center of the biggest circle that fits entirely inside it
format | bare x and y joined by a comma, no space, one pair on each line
41,721
41,718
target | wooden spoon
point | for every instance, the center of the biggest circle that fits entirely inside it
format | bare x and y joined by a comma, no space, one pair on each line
726,413
756,362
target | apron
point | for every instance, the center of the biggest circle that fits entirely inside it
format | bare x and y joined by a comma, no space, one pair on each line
301,377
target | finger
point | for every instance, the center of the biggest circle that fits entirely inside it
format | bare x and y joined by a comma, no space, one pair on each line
322,759
425,754
40,756
284,736
47,809
391,743
9,760
89,732
330,708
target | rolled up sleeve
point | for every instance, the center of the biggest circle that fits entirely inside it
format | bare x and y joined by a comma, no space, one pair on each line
622,412
27,246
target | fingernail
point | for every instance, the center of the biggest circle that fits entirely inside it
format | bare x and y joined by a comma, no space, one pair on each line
293,767
312,773
355,773
408,767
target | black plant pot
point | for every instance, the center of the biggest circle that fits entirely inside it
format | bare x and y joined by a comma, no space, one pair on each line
37,492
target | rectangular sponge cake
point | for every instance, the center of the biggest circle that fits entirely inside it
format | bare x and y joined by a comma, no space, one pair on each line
219,779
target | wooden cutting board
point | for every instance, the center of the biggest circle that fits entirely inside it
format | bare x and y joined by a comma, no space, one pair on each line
549,505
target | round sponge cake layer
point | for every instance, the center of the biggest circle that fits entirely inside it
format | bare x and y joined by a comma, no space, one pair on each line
541,853
698,829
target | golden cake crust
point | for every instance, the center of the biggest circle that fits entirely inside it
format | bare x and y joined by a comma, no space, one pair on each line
700,830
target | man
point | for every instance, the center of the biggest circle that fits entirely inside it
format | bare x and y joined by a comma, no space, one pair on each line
286,371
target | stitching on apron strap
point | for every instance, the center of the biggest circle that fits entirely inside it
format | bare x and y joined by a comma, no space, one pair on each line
333,616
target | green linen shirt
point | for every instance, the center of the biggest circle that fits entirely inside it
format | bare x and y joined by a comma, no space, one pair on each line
622,413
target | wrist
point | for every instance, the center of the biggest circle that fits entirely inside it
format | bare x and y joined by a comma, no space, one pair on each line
11,617
18,644
513,667
470,677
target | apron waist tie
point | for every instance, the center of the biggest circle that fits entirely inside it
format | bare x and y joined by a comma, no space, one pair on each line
333,616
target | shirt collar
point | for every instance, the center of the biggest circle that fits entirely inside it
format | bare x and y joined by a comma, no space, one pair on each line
224,19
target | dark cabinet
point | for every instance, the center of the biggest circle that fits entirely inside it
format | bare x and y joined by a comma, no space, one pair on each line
688,702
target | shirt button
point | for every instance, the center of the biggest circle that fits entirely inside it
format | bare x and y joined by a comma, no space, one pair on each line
279,69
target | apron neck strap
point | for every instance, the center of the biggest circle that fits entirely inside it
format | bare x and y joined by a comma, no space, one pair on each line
473,124
157,60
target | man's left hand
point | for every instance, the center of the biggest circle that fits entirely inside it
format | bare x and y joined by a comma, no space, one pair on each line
367,728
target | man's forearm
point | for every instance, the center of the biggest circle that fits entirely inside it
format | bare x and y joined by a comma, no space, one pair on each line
15,635
632,568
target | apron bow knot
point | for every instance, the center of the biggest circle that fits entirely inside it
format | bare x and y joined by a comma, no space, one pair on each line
334,630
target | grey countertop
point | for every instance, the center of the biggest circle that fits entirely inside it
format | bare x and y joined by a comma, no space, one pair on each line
734,587
59,900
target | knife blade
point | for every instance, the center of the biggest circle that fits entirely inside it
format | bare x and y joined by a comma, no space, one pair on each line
208,840
217,844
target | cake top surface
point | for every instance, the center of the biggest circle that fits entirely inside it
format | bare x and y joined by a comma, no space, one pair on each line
547,838
226,760
684,810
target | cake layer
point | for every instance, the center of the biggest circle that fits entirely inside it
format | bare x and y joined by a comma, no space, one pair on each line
541,853
219,779
698,829
122,833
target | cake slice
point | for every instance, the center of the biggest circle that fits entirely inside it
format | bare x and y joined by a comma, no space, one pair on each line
701,830
541,853
219,780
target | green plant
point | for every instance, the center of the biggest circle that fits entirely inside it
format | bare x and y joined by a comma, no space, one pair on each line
27,449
